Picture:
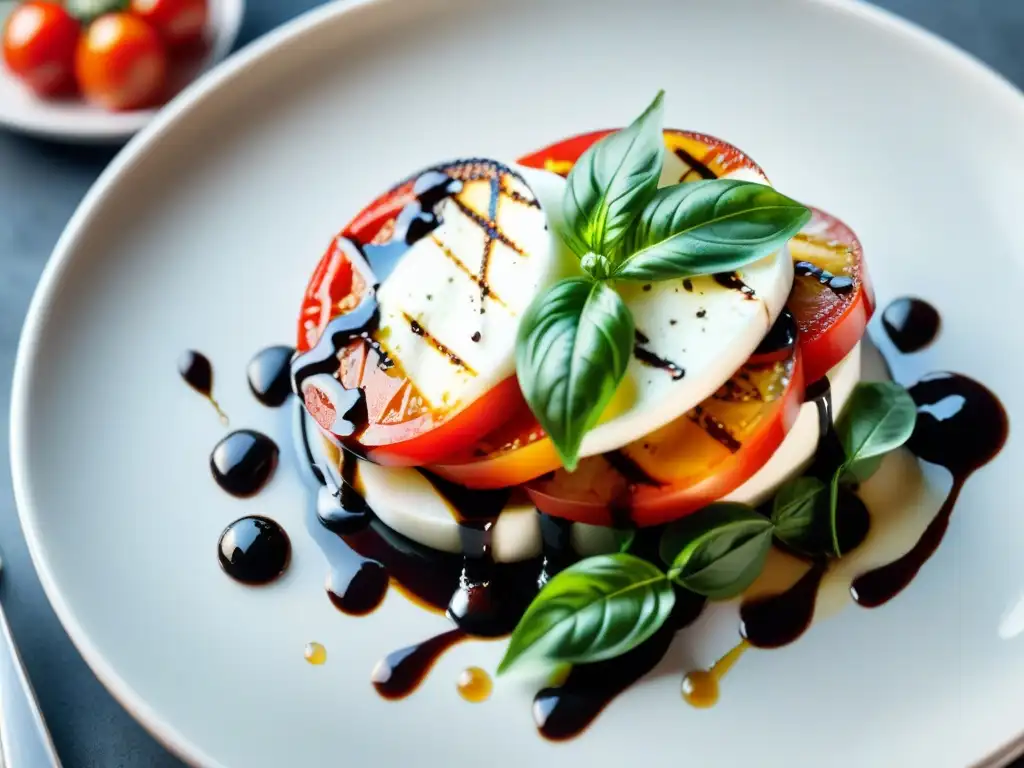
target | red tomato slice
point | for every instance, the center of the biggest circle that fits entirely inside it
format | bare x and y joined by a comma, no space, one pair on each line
693,461
832,299
399,431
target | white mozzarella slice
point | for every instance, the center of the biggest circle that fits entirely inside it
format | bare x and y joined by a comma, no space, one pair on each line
703,333
702,329
406,501
797,450
449,311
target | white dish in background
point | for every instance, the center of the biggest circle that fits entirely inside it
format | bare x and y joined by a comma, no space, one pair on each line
74,120
202,233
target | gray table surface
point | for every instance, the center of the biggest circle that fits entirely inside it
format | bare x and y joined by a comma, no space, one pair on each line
40,185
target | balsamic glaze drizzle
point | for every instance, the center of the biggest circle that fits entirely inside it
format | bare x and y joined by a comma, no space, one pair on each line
197,371
777,620
911,324
243,462
647,357
961,426
269,374
732,281
254,550
400,672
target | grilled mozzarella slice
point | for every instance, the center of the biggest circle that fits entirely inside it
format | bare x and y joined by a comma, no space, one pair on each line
450,308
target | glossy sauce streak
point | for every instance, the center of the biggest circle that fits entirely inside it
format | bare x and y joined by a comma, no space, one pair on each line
732,281
912,324
777,620
269,374
838,283
196,370
556,547
565,711
780,339
649,358
243,462
254,550
400,672
961,426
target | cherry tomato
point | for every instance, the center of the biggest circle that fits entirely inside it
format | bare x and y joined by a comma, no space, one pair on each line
120,63
179,22
831,299
694,460
399,430
39,47
520,451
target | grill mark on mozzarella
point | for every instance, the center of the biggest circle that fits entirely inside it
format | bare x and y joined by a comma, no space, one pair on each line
490,228
437,344
529,202
696,166
485,289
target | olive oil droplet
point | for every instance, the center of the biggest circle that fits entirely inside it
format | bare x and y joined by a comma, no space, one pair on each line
700,687
474,685
315,653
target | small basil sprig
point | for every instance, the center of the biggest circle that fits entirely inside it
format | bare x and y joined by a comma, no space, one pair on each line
878,418
799,508
717,551
575,340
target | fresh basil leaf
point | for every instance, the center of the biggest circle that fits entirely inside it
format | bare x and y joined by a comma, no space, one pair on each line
861,471
717,551
598,608
574,343
879,417
611,182
709,226
797,512
624,538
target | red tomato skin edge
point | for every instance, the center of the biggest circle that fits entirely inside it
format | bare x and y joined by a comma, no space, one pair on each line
667,508
825,352
482,416
574,146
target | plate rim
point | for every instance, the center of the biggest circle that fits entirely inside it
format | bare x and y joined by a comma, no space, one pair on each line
208,83
228,16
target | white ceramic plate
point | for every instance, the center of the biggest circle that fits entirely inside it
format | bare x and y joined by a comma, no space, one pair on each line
74,120
202,232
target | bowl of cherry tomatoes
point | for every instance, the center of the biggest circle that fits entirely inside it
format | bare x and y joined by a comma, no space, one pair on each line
98,70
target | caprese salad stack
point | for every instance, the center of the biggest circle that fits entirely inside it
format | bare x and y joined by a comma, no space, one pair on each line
620,330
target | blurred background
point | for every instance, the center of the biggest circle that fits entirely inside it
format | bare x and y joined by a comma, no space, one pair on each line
41,183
